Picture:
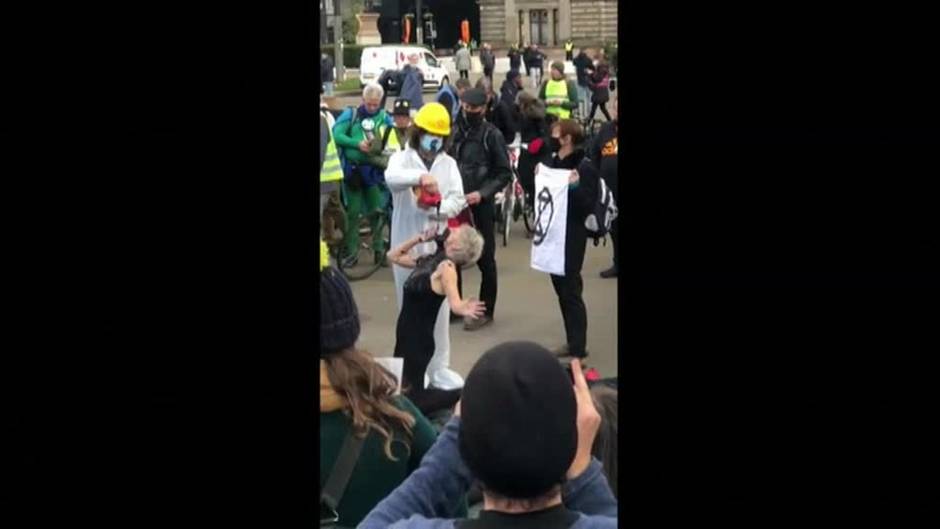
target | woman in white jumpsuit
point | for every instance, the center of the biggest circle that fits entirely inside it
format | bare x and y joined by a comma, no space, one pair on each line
410,168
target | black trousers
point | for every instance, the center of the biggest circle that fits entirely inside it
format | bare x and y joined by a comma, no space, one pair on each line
569,289
603,109
484,216
464,74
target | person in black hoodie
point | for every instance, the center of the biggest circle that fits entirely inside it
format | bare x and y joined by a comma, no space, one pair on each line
566,140
511,86
499,112
515,58
604,155
483,161
533,128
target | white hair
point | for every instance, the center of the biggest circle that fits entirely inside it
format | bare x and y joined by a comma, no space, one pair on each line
373,90
469,246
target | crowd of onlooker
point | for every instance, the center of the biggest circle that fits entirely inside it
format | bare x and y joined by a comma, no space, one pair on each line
529,444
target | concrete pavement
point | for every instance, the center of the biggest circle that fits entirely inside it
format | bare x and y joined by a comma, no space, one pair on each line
526,309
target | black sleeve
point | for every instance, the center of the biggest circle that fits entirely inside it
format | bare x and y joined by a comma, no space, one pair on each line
500,172
585,194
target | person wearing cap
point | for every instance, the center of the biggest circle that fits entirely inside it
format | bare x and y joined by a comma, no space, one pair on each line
358,133
431,282
355,390
412,83
560,94
425,165
480,151
401,116
525,432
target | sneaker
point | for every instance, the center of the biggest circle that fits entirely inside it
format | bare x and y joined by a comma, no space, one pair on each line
472,325
610,272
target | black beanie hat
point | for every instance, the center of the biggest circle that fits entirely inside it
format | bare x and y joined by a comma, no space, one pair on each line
339,317
518,426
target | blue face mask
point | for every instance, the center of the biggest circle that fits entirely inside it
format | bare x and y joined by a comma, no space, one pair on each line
431,143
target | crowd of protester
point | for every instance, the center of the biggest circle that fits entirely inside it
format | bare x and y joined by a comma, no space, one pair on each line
537,441
527,442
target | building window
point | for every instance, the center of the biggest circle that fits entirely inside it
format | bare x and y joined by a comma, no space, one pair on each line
555,27
538,19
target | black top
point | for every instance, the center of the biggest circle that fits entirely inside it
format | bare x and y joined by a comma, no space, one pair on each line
581,200
482,168
551,518
603,154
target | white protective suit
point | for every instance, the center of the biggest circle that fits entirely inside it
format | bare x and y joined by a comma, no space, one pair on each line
402,174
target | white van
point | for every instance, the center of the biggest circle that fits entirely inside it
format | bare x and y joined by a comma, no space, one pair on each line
377,59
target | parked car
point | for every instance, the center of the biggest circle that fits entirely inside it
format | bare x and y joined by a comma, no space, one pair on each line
376,60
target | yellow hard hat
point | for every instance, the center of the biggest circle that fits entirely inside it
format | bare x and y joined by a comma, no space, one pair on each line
434,118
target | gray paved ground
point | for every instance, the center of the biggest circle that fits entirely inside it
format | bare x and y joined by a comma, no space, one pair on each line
527,308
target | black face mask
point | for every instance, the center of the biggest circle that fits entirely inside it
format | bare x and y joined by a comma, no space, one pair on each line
474,118
554,144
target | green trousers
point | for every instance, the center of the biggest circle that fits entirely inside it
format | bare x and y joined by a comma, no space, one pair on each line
373,200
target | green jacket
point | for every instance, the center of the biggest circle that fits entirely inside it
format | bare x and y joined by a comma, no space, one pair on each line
348,137
374,476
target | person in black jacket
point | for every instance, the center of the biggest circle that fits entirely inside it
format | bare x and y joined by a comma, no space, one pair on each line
582,194
603,153
584,68
515,58
511,86
499,112
534,131
483,161
326,74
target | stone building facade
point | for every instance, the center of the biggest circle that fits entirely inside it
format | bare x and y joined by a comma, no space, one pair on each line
548,22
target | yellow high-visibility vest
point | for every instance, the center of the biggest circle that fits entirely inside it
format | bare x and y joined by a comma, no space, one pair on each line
569,46
557,90
331,170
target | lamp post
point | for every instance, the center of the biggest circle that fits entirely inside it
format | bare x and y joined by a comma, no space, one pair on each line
419,31
338,40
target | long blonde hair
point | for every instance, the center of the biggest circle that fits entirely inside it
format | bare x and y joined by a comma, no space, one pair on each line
369,390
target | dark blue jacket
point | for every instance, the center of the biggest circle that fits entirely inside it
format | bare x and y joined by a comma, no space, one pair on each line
412,85
431,494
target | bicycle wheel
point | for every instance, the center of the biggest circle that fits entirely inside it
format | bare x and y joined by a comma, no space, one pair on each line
365,262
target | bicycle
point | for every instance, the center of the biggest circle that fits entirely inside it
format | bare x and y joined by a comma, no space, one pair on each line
365,263
511,203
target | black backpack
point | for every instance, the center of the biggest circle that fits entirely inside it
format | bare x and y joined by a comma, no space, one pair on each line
604,213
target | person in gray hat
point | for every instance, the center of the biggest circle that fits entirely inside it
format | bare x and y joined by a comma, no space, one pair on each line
526,435
480,151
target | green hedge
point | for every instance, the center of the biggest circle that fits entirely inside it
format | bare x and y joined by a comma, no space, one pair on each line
351,53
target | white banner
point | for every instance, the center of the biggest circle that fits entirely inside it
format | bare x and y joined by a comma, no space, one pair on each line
551,218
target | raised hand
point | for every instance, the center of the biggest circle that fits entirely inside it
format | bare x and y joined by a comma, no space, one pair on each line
473,309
